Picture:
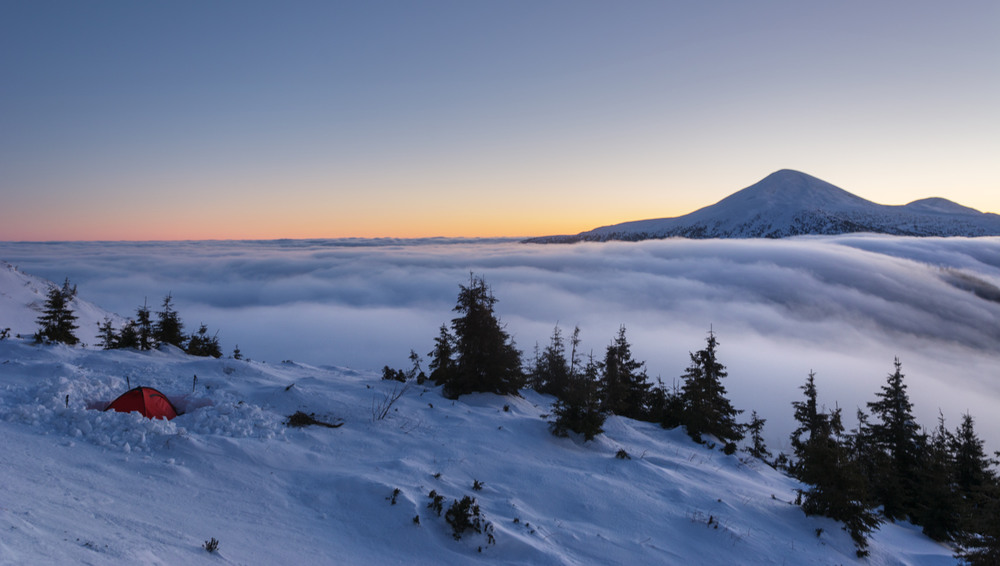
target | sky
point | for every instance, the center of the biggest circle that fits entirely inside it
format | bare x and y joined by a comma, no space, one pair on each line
261,120
842,306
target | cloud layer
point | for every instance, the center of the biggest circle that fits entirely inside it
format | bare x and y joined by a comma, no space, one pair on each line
842,306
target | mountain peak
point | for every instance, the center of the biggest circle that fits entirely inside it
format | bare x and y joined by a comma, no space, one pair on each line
791,203
788,187
937,205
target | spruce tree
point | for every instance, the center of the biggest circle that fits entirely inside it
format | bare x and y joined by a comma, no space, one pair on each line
940,517
666,405
706,408
973,471
128,337
979,544
168,328
898,436
624,384
201,344
757,448
811,421
552,371
57,323
865,452
978,497
487,360
144,328
836,486
107,339
442,364
579,408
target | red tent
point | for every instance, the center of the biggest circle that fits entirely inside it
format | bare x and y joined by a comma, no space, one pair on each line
148,401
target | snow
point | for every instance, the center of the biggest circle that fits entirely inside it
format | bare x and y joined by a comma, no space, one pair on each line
790,203
84,486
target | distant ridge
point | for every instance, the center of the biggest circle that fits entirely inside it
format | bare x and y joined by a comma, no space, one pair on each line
790,203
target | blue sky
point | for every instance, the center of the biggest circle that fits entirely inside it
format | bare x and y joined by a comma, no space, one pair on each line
187,120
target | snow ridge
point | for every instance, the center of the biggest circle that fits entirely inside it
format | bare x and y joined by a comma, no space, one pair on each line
790,203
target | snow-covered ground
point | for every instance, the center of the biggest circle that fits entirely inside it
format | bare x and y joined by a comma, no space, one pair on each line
83,486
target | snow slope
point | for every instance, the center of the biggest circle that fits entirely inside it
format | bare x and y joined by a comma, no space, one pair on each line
22,300
790,203
87,487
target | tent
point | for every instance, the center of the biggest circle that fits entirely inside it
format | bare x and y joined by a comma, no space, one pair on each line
149,402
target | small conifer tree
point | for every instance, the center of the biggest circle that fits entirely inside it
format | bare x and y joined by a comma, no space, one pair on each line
487,360
107,338
898,437
552,372
706,408
442,364
624,384
144,328
757,448
940,516
579,409
201,344
128,337
836,489
57,323
168,328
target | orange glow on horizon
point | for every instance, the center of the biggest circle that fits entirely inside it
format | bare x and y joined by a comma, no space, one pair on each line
261,228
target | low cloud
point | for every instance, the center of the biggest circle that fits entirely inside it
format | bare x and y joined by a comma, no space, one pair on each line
842,306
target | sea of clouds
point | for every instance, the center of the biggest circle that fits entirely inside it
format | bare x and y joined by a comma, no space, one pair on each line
842,306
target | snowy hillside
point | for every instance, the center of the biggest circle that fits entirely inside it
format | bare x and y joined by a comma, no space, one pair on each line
22,299
790,203
87,487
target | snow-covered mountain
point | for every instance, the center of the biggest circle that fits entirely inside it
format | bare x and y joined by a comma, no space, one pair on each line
790,203
83,486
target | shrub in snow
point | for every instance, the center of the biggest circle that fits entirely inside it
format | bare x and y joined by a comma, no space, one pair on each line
211,545
437,502
201,344
465,515
390,374
380,409
300,419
